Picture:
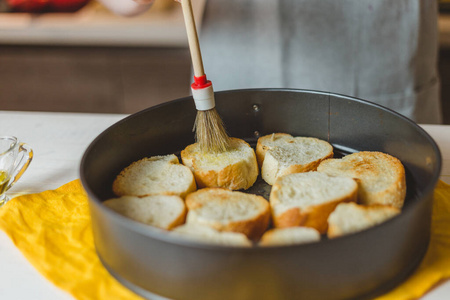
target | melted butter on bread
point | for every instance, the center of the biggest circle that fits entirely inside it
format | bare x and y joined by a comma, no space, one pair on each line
234,169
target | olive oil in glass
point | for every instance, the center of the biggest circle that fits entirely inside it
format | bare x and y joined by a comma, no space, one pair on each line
4,179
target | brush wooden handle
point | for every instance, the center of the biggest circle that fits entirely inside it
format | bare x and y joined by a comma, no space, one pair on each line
194,46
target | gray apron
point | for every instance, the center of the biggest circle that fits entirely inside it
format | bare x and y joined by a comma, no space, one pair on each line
384,51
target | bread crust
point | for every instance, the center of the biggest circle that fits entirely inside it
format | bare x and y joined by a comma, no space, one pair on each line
206,234
366,166
314,216
307,199
289,236
252,227
312,166
178,221
241,174
334,229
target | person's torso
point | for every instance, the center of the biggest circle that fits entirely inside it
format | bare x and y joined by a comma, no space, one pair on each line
370,49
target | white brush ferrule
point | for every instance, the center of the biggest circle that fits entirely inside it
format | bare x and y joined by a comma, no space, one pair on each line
204,98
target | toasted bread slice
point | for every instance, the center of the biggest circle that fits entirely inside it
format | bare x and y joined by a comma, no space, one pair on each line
307,199
226,210
153,176
282,154
380,176
160,211
289,236
206,234
234,169
350,217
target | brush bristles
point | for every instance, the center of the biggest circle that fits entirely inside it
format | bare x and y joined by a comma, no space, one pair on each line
210,132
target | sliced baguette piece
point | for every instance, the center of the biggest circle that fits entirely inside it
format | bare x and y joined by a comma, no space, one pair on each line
380,176
161,211
206,234
282,154
154,176
289,236
307,199
350,217
234,169
226,210
268,142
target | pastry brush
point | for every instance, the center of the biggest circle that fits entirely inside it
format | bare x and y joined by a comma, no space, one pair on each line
209,129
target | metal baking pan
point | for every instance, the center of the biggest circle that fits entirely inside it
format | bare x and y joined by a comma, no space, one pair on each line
362,265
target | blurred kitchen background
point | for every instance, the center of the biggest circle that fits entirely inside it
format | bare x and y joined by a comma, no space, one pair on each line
79,57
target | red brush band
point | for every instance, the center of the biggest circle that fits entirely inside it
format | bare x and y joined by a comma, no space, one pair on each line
200,82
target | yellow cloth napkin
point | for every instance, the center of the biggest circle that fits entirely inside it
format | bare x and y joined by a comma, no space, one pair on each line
435,266
53,231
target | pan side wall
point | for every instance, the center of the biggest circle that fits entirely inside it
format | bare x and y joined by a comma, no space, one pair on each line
365,264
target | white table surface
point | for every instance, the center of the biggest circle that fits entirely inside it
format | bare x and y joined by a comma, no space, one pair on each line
58,141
